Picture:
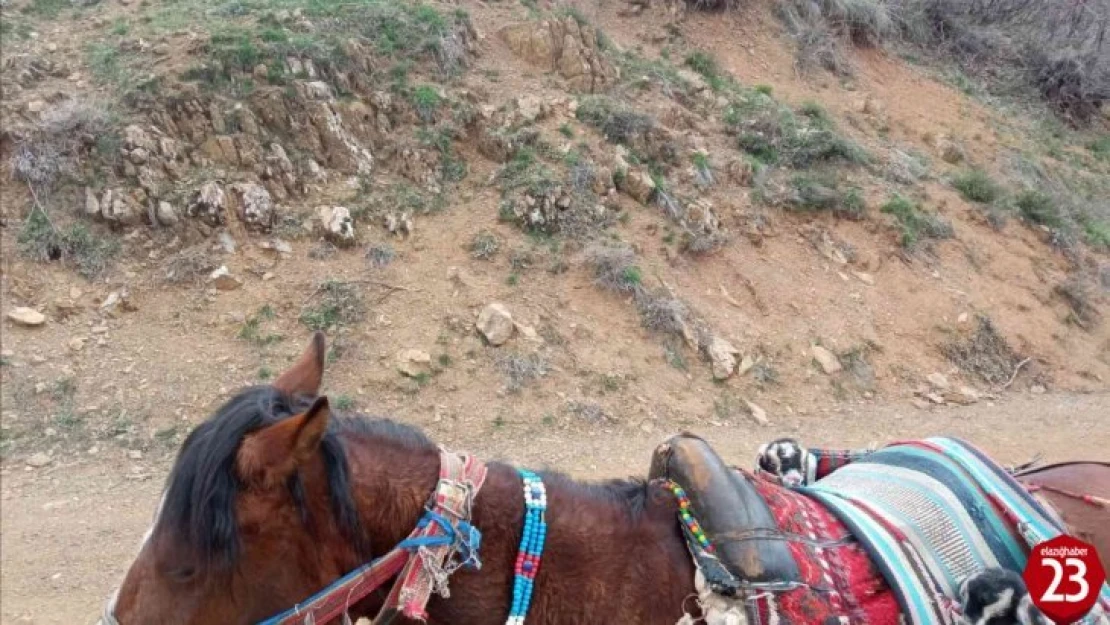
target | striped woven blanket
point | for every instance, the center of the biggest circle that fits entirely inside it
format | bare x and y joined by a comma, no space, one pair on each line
932,512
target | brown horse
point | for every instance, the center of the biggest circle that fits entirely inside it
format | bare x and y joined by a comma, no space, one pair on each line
274,497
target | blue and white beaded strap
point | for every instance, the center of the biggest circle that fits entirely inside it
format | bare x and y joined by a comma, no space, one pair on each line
531,546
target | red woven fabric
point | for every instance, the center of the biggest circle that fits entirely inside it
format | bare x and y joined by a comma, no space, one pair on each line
843,585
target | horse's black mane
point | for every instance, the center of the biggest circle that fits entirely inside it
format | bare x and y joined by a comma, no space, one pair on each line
199,501
199,504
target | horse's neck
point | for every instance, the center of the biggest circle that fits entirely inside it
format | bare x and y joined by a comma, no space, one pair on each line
601,562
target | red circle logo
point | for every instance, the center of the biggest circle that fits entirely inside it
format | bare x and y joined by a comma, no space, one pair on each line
1064,577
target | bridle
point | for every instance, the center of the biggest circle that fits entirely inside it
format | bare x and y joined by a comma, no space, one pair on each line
442,542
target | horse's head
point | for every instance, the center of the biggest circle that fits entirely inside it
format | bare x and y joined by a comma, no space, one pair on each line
257,511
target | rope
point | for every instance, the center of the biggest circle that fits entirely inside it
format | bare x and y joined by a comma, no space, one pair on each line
1098,502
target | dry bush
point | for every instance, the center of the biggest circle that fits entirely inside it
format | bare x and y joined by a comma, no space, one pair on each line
522,369
62,136
189,265
615,268
1057,49
984,353
1080,298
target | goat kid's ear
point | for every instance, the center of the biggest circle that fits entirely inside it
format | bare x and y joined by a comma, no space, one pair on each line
269,456
307,374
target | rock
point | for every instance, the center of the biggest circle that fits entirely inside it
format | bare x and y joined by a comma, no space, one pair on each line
26,316
336,224
400,225
495,323
77,343
564,46
938,381
92,204
111,301
139,156
530,108
165,214
120,209
134,138
746,365
414,362
864,277
39,460
121,299
208,204
830,364
64,309
317,90
254,206
962,318
226,242
639,185
223,280
339,147
1038,389
36,106
529,333
603,181
723,357
920,404
964,396
758,414
935,398
134,454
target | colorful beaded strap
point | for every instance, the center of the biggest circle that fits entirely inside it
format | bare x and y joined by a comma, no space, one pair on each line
687,516
531,546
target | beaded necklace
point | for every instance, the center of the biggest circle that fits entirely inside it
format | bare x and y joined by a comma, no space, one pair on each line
687,516
531,546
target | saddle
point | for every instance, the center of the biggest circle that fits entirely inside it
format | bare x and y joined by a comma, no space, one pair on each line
749,549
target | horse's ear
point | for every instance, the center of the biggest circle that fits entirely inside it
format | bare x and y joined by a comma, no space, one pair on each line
307,374
267,457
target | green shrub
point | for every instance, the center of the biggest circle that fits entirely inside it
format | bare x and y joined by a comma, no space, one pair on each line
1097,233
1038,208
88,252
772,134
618,123
977,186
915,223
823,193
704,64
426,99
1100,148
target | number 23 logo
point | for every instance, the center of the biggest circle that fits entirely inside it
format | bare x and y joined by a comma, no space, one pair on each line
1078,577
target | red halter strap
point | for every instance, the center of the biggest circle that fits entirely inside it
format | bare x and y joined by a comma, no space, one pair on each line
442,542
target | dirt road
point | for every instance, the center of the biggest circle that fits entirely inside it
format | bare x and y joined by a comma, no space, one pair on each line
69,530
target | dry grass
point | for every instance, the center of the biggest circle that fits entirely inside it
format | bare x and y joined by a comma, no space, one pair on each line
61,138
189,265
521,370
333,304
1059,50
484,245
984,353
615,268
1080,298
